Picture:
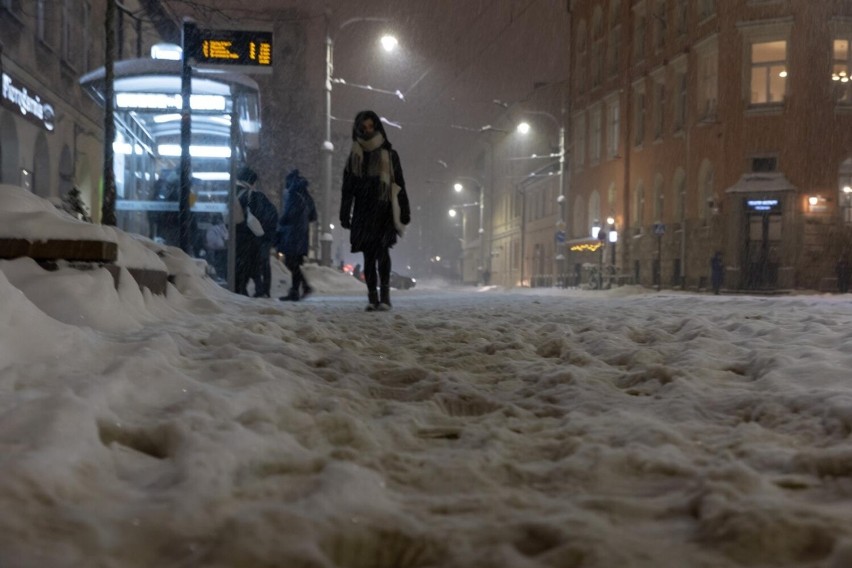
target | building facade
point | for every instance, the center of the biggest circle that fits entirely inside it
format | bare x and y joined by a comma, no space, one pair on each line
704,126
51,132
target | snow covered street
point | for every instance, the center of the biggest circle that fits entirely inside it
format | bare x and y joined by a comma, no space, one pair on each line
527,429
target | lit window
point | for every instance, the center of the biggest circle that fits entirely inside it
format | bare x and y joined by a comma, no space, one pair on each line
768,72
840,71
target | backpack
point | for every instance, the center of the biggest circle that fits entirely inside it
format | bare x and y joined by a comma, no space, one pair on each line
265,212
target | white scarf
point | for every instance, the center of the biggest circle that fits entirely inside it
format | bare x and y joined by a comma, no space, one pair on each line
379,165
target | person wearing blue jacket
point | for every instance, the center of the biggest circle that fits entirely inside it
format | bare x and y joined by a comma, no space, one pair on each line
293,233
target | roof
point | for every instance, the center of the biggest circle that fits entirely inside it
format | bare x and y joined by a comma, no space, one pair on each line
763,182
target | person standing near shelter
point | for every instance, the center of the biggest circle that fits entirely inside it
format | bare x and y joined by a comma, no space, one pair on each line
216,243
293,233
267,214
368,204
248,230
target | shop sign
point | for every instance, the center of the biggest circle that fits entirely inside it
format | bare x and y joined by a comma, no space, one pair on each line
763,204
27,103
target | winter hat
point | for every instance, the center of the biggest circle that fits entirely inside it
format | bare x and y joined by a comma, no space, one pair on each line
247,175
295,180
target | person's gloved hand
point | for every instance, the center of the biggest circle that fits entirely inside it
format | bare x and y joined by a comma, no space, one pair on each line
346,223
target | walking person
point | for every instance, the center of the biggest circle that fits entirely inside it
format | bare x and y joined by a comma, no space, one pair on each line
216,243
369,201
298,213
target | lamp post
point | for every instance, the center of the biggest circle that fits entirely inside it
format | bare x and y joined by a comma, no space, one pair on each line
389,43
613,239
524,128
458,187
453,212
599,234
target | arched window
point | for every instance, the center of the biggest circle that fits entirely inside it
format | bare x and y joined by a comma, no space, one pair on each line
659,199
594,210
41,167
579,226
614,51
706,191
9,169
638,208
610,198
844,185
66,171
679,188
580,66
597,46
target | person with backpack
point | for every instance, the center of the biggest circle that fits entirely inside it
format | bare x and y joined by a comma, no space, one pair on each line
252,225
299,211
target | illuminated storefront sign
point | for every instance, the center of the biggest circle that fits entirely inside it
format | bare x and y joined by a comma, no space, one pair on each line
763,204
28,104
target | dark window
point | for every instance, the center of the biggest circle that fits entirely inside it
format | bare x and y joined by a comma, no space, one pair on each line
764,164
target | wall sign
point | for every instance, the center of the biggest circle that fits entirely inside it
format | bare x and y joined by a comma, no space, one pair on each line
235,50
27,103
763,205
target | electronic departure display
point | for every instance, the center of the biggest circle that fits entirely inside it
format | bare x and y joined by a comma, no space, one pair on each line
251,51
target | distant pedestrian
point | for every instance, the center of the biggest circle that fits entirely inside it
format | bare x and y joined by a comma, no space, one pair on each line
843,274
216,242
373,195
717,272
293,232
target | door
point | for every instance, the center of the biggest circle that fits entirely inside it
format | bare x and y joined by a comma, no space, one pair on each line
763,251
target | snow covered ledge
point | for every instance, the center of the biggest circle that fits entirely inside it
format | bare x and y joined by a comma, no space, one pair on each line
33,227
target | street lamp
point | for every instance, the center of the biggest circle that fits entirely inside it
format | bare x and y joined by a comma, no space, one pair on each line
459,187
389,43
524,128
613,239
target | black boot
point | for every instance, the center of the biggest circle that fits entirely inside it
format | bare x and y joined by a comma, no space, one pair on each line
372,301
384,300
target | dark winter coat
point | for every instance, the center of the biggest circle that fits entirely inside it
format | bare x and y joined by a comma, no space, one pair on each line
370,219
294,225
262,208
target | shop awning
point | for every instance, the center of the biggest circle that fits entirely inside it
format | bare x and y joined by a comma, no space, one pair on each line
769,182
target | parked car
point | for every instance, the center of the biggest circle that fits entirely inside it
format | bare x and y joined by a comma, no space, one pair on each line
397,280
401,282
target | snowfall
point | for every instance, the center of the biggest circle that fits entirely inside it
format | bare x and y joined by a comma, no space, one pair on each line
467,427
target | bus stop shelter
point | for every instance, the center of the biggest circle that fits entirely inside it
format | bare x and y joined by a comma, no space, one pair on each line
225,118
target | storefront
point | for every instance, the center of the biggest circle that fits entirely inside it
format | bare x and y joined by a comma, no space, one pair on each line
763,251
28,141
